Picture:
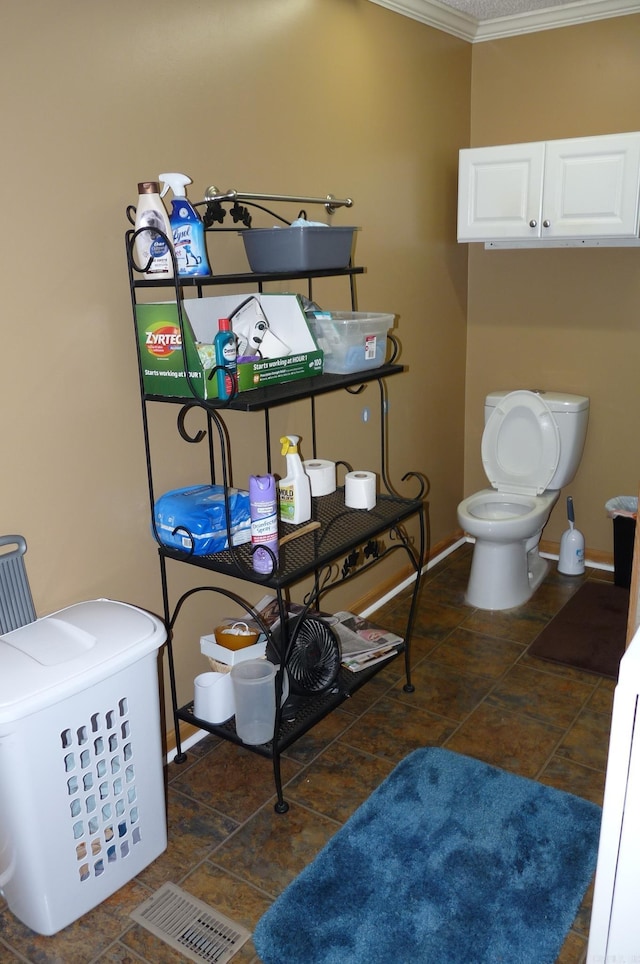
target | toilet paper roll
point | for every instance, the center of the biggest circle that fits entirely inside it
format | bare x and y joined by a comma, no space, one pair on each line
322,475
213,699
360,490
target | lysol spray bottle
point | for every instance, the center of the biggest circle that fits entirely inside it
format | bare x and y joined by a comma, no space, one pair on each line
264,521
187,227
226,351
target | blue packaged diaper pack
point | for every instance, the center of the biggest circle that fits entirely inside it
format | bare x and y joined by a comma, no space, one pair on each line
194,518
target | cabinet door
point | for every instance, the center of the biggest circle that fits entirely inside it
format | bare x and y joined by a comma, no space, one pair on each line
500,192
591,187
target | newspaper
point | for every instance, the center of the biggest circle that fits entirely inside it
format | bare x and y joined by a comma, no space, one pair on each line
359,636
355,664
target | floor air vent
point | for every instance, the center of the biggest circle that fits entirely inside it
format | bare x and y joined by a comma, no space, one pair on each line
190,926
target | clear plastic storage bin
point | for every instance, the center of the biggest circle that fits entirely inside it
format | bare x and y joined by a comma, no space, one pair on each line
82,802
352,341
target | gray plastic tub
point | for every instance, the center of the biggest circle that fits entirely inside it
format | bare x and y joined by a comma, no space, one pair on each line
298,248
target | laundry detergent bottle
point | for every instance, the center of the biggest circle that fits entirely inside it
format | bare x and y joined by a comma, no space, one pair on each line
187,229
151,247
294,491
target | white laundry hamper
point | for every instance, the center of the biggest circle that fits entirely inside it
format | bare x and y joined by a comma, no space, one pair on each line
82,798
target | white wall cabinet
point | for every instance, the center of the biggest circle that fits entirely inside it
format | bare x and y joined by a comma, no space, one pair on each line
580,190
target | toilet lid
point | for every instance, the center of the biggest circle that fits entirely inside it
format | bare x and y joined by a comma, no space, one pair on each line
521,444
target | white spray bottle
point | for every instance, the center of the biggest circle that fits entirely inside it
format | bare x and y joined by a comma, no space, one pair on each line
294,491
571,559
187,228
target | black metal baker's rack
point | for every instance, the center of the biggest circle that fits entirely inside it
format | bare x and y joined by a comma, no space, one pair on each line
346,543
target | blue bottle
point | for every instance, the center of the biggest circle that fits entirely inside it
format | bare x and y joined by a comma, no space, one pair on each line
226,352
187,228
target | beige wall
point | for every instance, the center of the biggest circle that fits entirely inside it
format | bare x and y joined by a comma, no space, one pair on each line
560,319
308,96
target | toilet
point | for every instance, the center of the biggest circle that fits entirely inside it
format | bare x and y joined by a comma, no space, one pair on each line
531,447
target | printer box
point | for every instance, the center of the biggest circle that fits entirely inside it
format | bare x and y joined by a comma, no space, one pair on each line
181,364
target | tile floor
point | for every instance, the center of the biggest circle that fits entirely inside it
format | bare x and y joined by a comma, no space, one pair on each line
477,692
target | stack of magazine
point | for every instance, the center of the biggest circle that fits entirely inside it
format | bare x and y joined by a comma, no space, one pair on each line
362,643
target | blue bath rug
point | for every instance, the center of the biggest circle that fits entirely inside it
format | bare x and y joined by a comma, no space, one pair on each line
449,861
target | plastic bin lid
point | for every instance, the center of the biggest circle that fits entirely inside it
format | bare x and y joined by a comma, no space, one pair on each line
47,660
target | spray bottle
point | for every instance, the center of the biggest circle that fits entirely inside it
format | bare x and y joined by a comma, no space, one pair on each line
226,352
264,521
187,229
151,218
294,491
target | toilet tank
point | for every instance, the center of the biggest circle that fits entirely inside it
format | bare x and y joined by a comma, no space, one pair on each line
571,414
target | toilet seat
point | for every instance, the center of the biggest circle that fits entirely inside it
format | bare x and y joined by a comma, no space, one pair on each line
521,444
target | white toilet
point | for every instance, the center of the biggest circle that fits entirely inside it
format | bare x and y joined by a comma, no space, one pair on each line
531,447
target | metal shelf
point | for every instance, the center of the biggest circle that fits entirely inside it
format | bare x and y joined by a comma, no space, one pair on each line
259,399
246,277
341,530
306,714
341,534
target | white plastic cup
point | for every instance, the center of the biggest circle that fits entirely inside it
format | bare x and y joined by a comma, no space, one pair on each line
254,694
213,697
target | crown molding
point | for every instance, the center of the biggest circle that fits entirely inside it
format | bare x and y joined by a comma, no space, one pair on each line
462,25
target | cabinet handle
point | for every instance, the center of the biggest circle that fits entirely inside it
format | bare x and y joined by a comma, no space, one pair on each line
546,223
533,223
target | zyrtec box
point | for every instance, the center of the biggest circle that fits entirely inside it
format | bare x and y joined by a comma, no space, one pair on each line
173,366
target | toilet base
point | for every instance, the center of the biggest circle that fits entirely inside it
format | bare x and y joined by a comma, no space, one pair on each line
504,575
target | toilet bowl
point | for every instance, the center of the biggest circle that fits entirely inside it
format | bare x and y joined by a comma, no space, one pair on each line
506,568
531,446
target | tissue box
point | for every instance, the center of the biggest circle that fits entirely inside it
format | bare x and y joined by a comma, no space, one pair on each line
352,341
198,513
163,357
304,248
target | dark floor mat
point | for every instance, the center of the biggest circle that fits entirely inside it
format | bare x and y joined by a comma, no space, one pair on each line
589,632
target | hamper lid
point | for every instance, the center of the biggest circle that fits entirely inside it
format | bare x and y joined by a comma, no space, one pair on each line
46,661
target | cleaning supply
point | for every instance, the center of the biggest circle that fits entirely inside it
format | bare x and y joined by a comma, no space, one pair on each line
294,491
151,217
571,559
264,522
187,229
226,352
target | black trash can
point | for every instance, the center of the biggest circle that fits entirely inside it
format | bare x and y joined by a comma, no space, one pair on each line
623,509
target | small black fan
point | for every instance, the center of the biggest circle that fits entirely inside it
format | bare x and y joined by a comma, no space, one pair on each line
314,660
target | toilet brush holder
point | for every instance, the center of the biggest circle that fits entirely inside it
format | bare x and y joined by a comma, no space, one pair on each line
571,558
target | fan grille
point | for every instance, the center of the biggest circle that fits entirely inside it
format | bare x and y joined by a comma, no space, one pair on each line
314,661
